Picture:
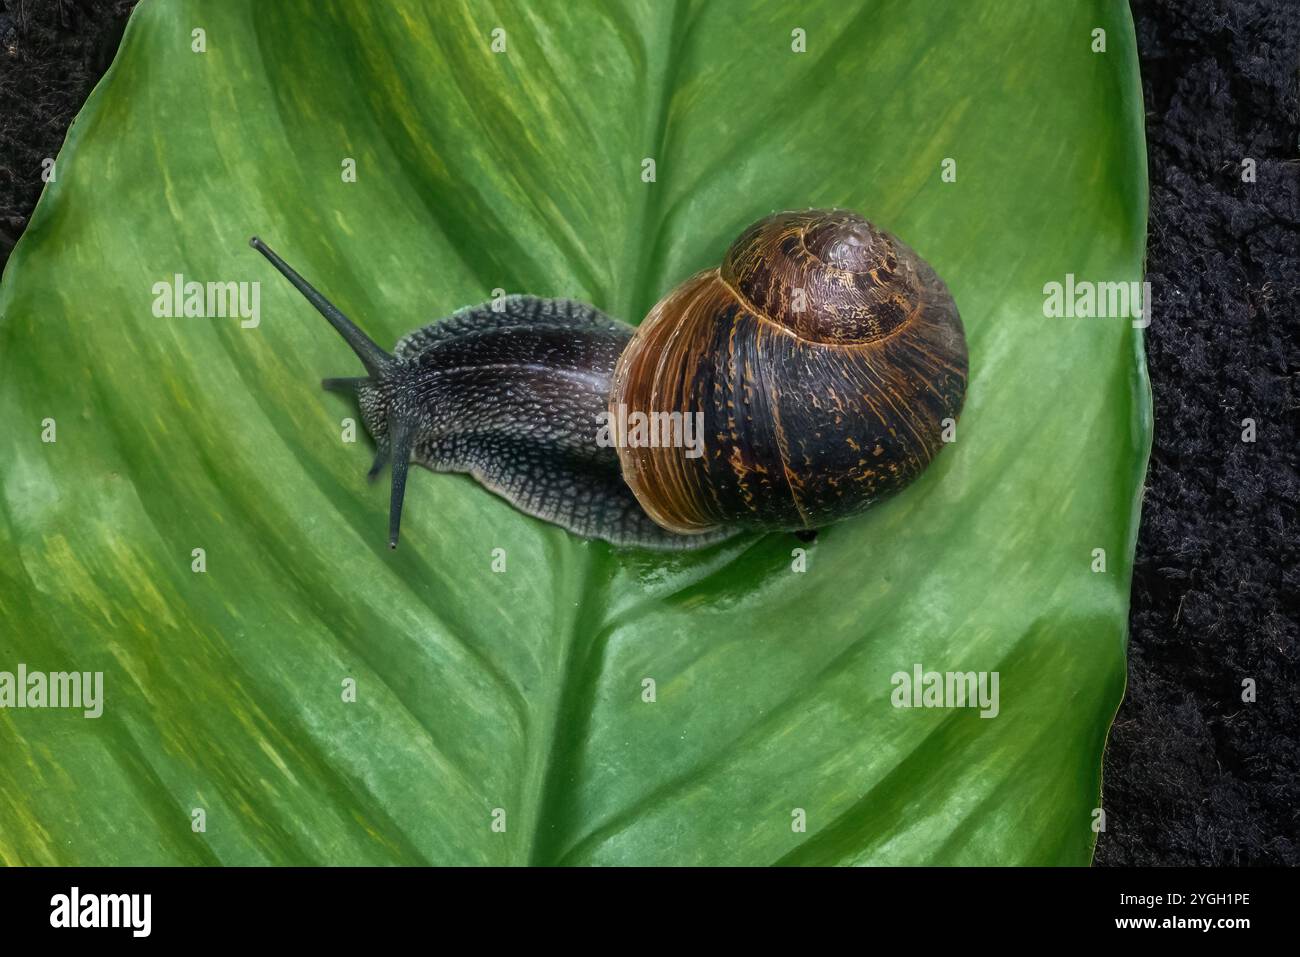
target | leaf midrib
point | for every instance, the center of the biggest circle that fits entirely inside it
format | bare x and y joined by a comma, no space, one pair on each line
545,840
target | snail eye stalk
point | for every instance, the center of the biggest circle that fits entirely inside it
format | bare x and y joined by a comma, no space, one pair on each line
401,430
375,359
343,385
401,438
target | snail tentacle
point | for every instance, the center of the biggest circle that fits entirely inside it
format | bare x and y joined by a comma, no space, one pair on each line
375,359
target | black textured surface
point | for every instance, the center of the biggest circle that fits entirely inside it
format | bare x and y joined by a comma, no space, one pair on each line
1193,775
52,52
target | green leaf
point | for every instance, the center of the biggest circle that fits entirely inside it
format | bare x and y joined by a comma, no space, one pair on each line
523,690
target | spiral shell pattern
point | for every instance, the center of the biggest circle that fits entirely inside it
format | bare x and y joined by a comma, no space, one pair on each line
824,358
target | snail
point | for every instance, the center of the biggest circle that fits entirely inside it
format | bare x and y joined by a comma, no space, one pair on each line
821,361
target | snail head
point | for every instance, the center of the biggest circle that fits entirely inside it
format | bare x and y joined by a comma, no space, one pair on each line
381,395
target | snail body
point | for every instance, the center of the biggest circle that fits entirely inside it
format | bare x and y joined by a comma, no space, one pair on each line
823,359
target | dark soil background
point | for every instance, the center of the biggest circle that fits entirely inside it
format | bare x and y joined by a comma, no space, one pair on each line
1193,775
52,52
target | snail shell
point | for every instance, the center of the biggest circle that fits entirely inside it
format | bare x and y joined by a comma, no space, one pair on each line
825,356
